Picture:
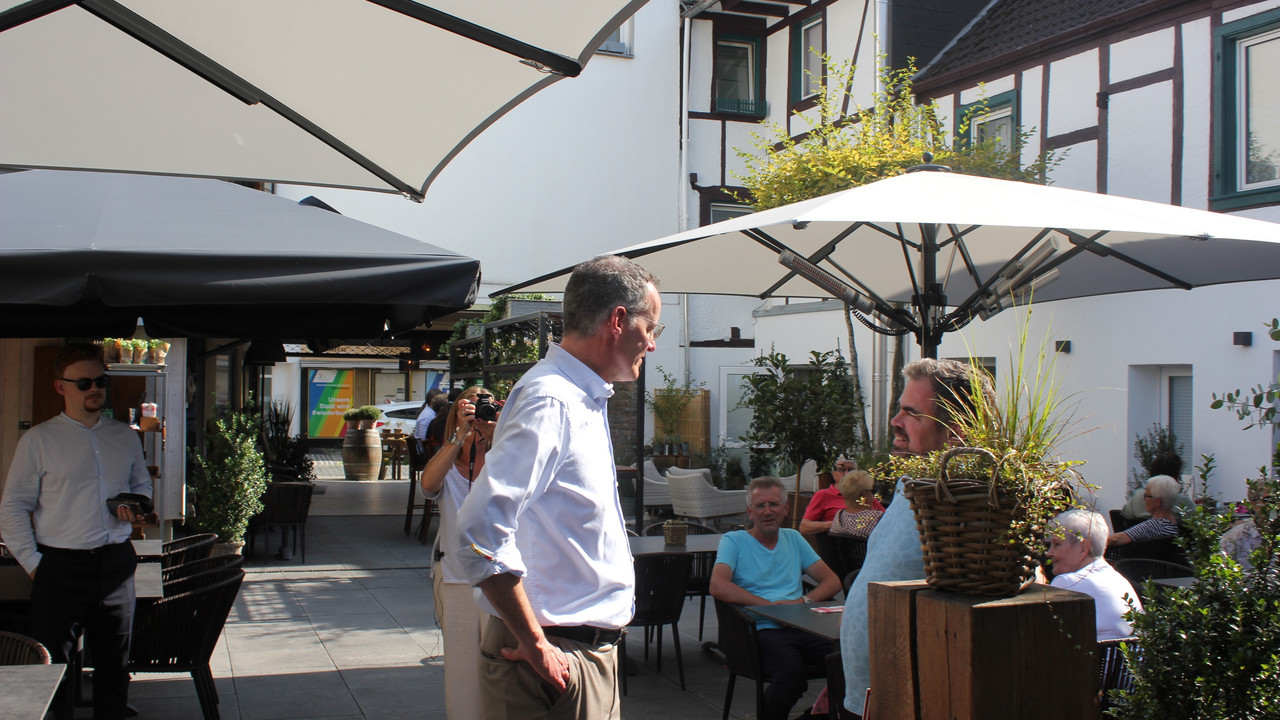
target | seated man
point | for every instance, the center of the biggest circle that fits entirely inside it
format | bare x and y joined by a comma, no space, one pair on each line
762,566
828,501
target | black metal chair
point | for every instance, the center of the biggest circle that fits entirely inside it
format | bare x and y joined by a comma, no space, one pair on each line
1139,570
703,562
1113,670
742,653
661,581
844,554
418,456
18,649
286,506
1119,522
184,550
195,567
178,634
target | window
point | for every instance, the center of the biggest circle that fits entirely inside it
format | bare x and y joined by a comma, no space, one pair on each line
619,42
808,42
1247,146
1179,417
996,119
725,211
737,77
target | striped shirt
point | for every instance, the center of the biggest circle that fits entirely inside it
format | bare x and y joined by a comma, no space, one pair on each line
1153,529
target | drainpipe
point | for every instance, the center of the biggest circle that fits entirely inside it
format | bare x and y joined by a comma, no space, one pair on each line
883,41
682,183
879,387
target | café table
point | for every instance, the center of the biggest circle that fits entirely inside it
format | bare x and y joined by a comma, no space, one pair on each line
804,616
657,544
28,690
148,550
15,584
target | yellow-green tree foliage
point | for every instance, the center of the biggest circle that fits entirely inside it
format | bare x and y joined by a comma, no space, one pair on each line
846,149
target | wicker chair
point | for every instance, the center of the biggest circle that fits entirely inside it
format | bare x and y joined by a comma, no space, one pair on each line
693,496
18,649
703,562
178,634
1113,669
661,580
844,554
184,550
657,493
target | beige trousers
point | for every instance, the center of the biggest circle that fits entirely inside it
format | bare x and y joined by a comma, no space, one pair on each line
461,620
513,691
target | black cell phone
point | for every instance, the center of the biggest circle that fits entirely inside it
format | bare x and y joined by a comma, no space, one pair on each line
139,504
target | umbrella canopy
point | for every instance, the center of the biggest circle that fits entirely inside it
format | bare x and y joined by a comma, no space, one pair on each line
87,254
954,247
369,94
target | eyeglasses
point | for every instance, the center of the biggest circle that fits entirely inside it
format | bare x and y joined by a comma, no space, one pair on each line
655,327
767,506
845,468
83,384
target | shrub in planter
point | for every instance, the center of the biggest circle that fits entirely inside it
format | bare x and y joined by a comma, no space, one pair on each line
363,416
230,477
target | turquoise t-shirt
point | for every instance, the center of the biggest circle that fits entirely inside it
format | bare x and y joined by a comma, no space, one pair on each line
771,574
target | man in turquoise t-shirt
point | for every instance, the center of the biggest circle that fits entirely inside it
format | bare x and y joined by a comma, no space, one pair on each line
762,566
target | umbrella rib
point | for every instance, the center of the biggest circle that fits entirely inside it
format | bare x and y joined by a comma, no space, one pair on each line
538,57
1092,245
28,11
964,308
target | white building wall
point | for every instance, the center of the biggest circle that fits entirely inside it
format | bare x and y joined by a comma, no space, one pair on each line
1197,94
1139,139
1073,90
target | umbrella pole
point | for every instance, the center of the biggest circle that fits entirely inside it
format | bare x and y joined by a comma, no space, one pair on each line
931,300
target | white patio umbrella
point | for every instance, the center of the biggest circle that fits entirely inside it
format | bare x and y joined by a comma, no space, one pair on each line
368,94
955,247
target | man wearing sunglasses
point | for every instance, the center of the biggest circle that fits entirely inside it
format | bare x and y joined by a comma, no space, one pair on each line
55,520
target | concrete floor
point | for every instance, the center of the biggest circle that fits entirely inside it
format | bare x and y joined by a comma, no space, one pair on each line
350,632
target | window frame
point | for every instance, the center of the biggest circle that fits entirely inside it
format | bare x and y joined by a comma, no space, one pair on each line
998,103
1227,41
800,56
756,106
625,43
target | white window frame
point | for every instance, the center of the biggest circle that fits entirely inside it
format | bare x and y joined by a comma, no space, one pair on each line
1242,110
622,42
811,77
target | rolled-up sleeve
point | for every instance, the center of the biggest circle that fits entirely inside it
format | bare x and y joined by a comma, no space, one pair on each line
524,457
21,492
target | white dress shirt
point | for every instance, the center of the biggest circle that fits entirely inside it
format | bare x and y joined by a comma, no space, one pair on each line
546,505
423,423
64,473
1111,593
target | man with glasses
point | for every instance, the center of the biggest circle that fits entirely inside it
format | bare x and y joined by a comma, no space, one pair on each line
763,566
935,391
54,518
542,531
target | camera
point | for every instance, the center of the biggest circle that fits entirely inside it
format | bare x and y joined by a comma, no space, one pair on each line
486,408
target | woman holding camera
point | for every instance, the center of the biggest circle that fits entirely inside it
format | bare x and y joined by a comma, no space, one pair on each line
447,480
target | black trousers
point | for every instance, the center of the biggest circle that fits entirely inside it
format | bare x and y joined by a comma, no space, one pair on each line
91,590
785,655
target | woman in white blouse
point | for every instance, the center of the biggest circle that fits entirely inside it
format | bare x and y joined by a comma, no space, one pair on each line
1077,540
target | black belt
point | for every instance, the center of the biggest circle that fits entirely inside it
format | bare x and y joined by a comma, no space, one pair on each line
72,552
585,634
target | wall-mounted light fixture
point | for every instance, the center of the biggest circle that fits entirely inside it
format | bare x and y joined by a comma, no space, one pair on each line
1062,346
1243,339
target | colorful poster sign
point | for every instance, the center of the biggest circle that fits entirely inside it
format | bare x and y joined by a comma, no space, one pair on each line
329,392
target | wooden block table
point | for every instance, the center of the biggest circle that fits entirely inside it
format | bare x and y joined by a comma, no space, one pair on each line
940,655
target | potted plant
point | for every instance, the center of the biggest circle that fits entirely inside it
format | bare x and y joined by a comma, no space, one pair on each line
158,350
800,413
669,404
362,445
283,450
229,478
1003,488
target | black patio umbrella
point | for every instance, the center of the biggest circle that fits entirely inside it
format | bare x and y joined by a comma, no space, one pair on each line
87,254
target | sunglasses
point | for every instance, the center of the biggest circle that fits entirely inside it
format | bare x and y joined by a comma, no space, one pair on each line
84,383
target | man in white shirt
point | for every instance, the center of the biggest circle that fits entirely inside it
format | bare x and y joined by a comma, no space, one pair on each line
426,414
54,518
542,530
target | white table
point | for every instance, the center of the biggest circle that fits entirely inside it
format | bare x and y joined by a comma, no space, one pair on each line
28,690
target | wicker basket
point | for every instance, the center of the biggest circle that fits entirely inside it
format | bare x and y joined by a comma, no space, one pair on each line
963,527
675,532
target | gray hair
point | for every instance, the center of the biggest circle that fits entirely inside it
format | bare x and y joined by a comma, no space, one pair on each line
952,383
1165,489
762,483
601,284
855,483
1084,525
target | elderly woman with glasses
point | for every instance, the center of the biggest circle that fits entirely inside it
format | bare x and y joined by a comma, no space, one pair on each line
1160,496
1077,540
828,501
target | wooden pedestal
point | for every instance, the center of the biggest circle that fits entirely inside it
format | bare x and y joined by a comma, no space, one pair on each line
945,656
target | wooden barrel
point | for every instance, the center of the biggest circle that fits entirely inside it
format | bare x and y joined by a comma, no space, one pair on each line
362,454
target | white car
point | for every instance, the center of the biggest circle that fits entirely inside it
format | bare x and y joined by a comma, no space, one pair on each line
402,416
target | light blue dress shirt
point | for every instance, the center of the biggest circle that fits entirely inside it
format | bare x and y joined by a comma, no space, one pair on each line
546,505
61,477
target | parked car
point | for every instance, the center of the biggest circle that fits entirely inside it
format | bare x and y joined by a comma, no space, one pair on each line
402,416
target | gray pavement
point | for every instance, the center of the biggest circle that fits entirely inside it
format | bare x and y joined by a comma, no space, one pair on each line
350,633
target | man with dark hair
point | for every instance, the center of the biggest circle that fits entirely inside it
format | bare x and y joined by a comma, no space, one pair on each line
426,414
542,529
763,566
54,518
935,393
